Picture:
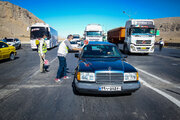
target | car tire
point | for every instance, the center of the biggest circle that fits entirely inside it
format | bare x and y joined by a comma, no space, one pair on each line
12,56
128,94
75,91
19,46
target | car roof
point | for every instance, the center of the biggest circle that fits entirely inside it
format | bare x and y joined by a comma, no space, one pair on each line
99,43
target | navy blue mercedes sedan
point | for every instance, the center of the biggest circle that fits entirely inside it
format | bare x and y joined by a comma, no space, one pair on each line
102,70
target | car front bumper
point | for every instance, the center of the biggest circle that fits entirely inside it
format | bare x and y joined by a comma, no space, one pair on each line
83,87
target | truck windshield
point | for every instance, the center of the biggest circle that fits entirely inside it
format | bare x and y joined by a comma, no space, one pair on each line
136,31
37,32
103,51
94,33
75,36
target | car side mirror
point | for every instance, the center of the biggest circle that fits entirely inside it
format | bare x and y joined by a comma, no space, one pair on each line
76,55
125,56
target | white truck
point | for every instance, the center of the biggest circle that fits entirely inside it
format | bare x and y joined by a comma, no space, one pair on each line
36,32
139,36
93,32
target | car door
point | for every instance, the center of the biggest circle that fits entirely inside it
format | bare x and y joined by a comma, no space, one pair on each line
18,42
15,43
1,51
4,50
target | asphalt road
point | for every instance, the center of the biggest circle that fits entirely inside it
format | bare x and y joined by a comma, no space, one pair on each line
26,94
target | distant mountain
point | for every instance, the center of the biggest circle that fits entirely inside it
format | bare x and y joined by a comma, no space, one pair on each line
169,29
14,21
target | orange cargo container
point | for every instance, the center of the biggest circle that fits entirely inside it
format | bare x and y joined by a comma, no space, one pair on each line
116,35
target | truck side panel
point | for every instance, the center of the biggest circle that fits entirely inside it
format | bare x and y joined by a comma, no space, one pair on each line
116,35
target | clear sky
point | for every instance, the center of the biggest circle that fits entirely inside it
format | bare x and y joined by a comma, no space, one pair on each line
71,16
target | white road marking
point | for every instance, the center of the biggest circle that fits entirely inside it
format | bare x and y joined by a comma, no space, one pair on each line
156,77
53,60
4,93
169,97
7,92
174,64
34,86
82,105
34,74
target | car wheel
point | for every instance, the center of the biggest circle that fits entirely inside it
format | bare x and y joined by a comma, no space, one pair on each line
20,46
12,56
75,91
128,94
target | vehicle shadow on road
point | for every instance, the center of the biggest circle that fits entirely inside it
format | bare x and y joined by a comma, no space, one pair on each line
104,95
7,60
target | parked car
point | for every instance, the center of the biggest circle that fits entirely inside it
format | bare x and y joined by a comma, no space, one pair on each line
102,70
7,51
14,42
76,43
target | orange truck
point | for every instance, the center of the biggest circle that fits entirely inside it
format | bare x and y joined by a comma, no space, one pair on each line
116,35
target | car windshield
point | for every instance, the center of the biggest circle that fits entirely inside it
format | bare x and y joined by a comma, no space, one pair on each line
75,36
136,31
73,42
9,40
103,51
94,33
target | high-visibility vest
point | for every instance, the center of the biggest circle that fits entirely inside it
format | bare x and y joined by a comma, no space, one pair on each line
63,49
44,48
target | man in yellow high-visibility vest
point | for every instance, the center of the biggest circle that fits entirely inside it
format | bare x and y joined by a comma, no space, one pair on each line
42,49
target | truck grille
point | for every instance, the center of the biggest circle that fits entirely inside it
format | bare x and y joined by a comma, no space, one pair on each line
114,78
143,42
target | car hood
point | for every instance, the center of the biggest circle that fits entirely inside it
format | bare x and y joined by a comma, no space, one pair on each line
104,64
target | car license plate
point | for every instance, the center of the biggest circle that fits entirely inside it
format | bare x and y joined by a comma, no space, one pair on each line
143,47
110,88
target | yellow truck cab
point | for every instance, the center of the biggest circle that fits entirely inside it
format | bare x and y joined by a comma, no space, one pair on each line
7,51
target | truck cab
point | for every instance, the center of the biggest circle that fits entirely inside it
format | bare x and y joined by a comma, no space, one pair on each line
139,36
93,32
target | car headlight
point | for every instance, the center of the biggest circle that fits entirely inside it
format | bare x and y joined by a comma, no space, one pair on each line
131,76
86,76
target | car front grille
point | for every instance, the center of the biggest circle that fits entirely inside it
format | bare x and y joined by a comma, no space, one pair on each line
113,78
145,42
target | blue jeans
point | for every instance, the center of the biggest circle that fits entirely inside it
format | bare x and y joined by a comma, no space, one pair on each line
62,67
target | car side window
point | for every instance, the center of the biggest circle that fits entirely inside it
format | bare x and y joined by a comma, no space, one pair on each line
16,40
3,45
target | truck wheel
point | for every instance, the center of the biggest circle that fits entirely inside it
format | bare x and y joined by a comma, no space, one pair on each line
12,56
146,53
